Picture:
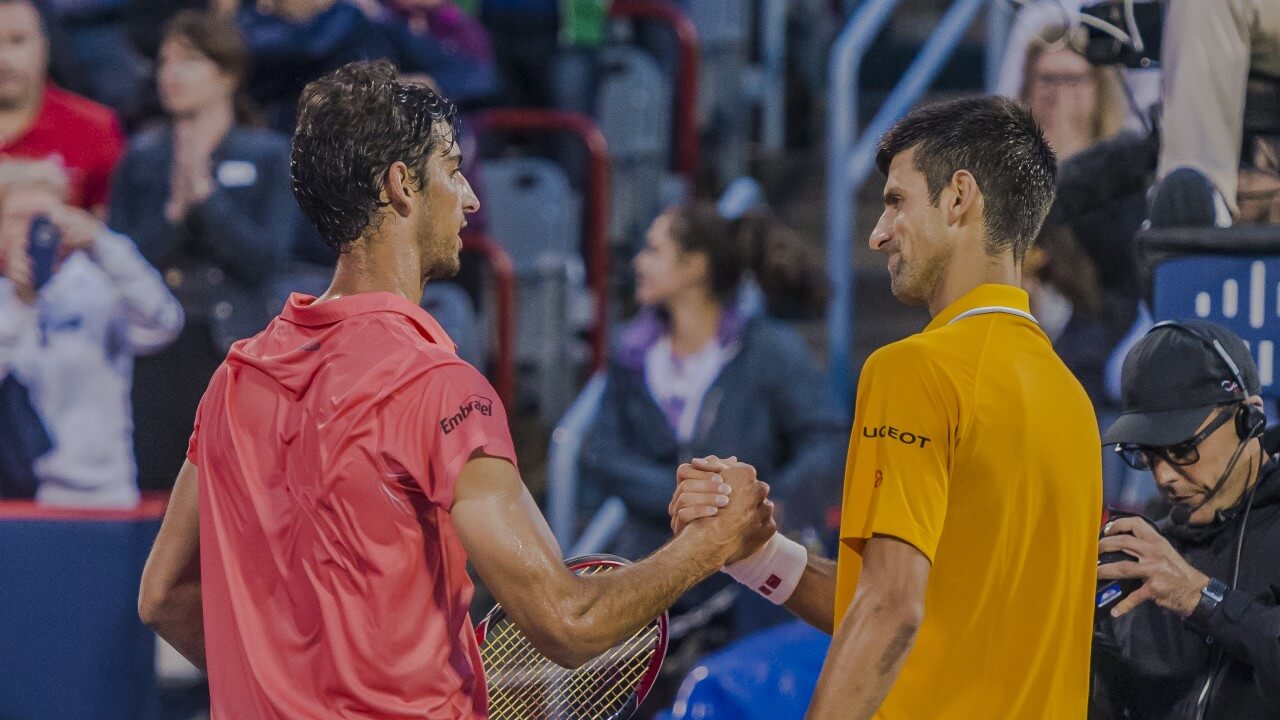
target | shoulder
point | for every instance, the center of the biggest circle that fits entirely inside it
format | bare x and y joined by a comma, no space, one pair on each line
916,354
81,110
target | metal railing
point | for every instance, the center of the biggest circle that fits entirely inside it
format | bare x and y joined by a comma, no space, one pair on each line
851,156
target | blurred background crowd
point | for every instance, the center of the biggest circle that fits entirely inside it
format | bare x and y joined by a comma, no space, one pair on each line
647,280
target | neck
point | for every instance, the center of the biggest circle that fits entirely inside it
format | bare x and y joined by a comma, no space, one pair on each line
212,121
1067,144
968,270
693,323
377,264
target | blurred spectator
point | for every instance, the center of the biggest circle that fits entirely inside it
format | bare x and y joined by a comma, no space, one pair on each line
39,120
1075,103
71,341
1083,321
295,41
1209,50
695,376
208,200
1055,21
546,49
111,69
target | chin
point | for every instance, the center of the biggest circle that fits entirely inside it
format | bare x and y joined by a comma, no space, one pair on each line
443,268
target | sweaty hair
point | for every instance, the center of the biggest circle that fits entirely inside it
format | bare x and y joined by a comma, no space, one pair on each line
998,142
352,125
784,267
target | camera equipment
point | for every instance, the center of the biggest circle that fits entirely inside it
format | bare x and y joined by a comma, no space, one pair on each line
1111,592
1123,32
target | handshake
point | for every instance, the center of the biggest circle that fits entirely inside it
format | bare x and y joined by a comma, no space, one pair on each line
726,504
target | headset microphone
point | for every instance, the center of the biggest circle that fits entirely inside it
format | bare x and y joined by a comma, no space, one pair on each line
1180,514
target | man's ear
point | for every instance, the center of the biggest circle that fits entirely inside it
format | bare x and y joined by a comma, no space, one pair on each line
960,196
398,188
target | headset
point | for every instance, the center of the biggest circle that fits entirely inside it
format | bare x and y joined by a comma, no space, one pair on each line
1250,422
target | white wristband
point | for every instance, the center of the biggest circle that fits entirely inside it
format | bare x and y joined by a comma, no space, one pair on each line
774,570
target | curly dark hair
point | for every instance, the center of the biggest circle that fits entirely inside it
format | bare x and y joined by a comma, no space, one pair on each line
352,125
997,141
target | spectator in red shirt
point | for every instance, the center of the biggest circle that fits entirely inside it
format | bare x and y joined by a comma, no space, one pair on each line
346,465
40,121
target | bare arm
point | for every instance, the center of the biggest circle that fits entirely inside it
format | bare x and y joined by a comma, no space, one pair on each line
873,640
572,619
169,600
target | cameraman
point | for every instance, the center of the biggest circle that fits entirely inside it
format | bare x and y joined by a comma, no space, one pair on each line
69,333
1199,637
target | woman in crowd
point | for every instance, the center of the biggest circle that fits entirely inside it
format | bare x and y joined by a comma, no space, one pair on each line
1075,103
207,199
698,373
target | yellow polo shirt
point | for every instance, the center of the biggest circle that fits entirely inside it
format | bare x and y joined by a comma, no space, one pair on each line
974,443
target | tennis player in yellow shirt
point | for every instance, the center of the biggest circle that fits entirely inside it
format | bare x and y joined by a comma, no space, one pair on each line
973,486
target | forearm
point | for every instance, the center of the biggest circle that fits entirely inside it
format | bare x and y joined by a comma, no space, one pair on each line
866,654
814,599
252,252
1249,632
152,310
607,608
178,619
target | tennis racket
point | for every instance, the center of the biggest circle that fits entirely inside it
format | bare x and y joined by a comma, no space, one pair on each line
525,685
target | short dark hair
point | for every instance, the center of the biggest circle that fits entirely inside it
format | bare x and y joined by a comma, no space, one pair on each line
352,125
697,227
996,140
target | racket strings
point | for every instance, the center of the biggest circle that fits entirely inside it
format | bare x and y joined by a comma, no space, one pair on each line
525,685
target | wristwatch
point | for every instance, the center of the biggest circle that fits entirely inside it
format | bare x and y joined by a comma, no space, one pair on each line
1210,597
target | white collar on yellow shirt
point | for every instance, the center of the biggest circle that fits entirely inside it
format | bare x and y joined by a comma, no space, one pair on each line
994,309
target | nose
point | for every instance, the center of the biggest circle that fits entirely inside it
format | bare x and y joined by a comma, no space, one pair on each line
1163,474
882,234
470,203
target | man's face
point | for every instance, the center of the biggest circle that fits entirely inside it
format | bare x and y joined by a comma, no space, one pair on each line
24,55
910,233
447,199
1190,485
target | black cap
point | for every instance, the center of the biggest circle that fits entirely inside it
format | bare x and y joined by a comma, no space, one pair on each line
1173,379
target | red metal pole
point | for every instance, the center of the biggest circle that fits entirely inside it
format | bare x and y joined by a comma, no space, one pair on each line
686,100
504,275
596,213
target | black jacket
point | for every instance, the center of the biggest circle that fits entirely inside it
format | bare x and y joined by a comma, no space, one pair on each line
1150,665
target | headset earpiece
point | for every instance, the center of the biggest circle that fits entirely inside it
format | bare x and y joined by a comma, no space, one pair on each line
1250,421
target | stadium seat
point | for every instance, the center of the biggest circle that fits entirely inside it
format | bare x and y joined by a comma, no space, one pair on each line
538,222
724,113
634,112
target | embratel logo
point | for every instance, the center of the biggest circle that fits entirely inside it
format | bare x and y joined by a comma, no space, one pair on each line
475,403
905,437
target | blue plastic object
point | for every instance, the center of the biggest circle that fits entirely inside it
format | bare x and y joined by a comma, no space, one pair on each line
766,676
1241,292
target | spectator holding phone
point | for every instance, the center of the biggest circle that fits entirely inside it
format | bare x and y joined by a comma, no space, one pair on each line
207,199
1198,637
77,303
40,121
